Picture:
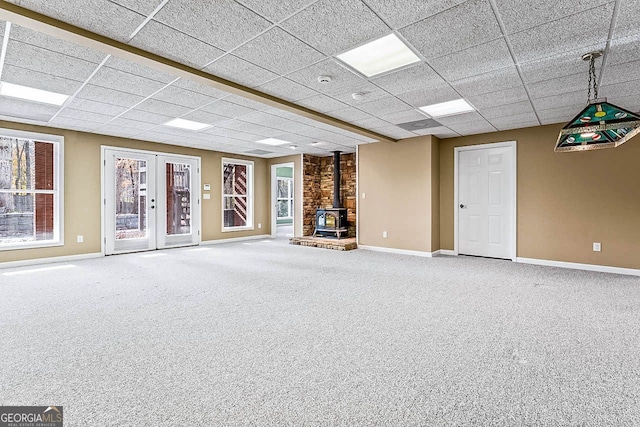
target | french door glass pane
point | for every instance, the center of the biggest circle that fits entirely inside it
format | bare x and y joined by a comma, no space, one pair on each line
131,199
178,178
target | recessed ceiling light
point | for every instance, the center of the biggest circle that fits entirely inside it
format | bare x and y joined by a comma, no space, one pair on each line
273,141
316,143
379,56
32,94
293,147
449,108
186,124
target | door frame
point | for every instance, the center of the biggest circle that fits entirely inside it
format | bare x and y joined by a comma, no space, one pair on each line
514,179
274,197
103,160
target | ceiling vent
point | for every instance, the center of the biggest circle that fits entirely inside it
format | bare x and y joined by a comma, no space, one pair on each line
419,125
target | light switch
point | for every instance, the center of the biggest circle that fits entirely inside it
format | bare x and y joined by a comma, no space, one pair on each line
207,187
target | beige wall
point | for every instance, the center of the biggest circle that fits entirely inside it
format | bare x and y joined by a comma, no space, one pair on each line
296,159
566,201
435,194
82,153
397,181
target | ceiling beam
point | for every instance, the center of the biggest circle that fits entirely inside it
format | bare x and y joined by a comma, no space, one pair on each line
27,18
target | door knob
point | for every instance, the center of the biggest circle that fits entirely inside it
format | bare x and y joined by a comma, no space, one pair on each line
463,206
153,207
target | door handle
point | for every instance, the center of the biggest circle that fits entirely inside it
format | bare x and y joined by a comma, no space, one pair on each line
153,207
463,206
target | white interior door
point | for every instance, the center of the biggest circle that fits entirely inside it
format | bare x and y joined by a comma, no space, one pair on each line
486,202
151,201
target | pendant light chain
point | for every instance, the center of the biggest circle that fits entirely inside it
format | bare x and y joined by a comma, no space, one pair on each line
593,81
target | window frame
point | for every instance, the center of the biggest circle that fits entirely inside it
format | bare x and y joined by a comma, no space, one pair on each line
289,199
58,189
250,206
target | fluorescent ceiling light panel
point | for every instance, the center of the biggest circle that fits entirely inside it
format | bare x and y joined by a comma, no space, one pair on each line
449,108
379,56
32,94
273,141
186,124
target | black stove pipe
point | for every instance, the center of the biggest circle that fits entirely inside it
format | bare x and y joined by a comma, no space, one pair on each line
336,179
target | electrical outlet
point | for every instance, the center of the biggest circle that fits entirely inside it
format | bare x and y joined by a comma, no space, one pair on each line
80,239
364,195
597,247
384,234
259,225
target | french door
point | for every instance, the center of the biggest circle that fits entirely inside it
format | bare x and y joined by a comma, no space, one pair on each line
151,200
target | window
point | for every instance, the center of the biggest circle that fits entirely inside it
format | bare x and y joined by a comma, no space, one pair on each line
285,198
237,194
30,183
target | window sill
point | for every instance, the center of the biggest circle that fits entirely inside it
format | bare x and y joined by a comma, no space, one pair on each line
29,245
229,229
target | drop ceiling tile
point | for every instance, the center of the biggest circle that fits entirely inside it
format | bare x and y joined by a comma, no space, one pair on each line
437,131
403,116
559,115
163,108
569,99
434,95
409,79
273,122
232,133
17,109
38,80
371,122
400,13
368,91
117,131
516,121
227,109
204,117
169,43
221,23
44,41
111,96
479,59
523,107
144,7
85,115
238,70
146,117
624,49
501,97
333,26
619,90
276,10
628,21
458,119
394,132
183,97
518,16
572,33
139,70
96,107
249,128
341,77
115,79
286,89
489,82
200,88
249,103
74,124
139,126
458,28
561,65
33,58
322,103
621,73
385,106
559,86
350,114
99,16
279,52
473,128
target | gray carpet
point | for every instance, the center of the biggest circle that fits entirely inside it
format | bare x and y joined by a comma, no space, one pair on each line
268,334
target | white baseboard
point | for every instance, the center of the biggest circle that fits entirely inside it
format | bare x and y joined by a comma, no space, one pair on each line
236,239
397,251
50,260
447,252
578,266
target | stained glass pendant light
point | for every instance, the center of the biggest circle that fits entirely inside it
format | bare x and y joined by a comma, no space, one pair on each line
600,124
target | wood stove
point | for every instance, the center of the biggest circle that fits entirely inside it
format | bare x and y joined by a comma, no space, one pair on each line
333,221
